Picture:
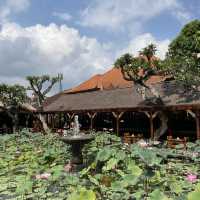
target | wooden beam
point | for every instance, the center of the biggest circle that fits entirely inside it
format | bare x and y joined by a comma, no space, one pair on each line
155,114
147,114
91,116
60,117
68,115
191,113
196,116
48,119
27,119
52,121
197,124
151,126
117,115
151,117
121,114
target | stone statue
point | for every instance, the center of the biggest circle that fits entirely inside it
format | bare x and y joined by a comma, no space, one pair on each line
76,125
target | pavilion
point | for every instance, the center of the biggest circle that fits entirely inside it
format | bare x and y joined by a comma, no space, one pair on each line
109,101
25,117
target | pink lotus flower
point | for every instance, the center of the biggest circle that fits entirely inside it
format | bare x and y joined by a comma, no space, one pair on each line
68,167
194,154
44,176
191,178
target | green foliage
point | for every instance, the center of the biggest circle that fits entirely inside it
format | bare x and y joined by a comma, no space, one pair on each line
195,194
182,60
187,43
12,95
113,171
131,66
149,51
158,195
41,86
25,155
82,194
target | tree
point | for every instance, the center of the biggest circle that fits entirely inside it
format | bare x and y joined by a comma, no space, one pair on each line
14,98
187,42
41,86
37,84
139,70
183,57
182,63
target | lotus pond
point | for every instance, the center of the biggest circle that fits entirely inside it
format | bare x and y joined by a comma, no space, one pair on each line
34,166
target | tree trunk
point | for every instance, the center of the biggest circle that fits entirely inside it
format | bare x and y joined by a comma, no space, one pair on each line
44,124
157,102
153,91
39,116
142,91
163,128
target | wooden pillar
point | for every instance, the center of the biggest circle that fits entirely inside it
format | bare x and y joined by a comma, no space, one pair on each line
117,116
60,117
91,116
151,126
151,117
27,119
49,120
197,117
70,116
46,118
52,120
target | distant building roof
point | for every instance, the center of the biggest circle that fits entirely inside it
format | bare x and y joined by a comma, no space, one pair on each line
112,79
122,99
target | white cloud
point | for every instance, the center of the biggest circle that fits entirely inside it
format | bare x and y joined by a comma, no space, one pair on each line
139,42
115,14
53,49
12,7
62,16
50,49
182,16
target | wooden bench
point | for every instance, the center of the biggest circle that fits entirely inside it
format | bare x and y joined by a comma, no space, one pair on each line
172,142
130,139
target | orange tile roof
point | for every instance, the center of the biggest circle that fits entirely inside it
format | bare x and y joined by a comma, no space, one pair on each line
109,80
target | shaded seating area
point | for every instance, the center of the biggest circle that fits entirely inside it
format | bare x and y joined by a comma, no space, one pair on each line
5,130
172,142
101,103
130,139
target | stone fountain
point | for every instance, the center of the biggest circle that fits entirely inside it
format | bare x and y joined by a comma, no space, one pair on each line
77,140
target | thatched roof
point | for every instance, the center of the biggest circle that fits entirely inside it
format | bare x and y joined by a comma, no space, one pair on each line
25,107
122,99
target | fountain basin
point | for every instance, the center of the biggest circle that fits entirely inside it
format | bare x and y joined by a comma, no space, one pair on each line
77,142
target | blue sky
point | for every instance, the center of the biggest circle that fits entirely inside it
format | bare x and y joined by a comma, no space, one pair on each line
80,38
164,25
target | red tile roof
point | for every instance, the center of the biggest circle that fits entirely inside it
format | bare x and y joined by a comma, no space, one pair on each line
110,80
